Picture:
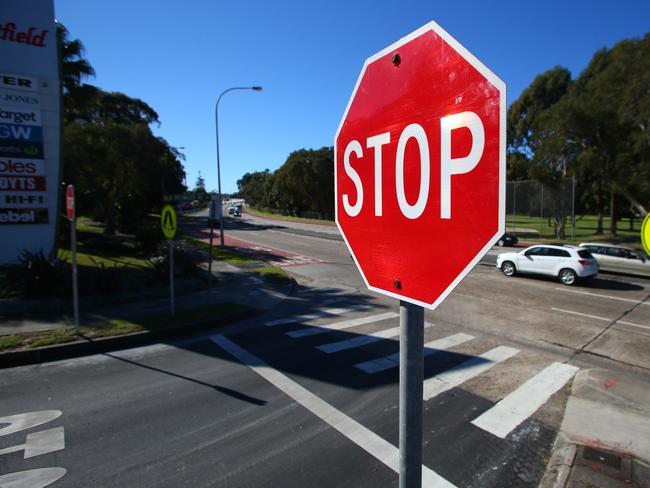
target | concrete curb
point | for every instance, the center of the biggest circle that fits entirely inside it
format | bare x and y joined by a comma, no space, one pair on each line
89,346
559,465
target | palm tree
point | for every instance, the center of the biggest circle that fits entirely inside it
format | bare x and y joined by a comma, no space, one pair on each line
74,66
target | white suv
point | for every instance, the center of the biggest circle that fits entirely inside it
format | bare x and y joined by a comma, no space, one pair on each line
568,263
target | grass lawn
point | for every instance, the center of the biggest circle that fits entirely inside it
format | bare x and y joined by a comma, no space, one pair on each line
289,218
271,274
183,317
585,229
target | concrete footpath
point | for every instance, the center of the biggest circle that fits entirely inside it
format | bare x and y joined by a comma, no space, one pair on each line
604,439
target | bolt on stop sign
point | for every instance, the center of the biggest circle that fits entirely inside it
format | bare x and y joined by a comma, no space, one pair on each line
420,166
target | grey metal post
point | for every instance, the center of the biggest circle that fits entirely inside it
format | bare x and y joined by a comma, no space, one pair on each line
573,209
75,288
411,376
542,212
210,247
514,207
216,124
170,245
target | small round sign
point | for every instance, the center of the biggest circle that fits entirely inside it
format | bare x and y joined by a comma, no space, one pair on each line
645,234
168,221
69,202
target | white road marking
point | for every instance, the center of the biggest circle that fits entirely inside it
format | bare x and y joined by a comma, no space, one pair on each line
596,317
358,341
586,315
362,340
430,348
598,295
345,324
350,428
23,421
38,443
516,407
33,478
633,325
316,315
463,372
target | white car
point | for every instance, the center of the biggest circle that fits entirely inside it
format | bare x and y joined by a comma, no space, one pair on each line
619,259
568,263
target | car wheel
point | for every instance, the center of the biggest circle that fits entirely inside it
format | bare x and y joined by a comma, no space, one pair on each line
568,277
500,243
508,268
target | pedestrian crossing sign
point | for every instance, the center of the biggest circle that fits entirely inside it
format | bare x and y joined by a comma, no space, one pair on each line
168,221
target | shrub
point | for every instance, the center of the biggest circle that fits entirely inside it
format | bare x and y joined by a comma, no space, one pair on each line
37,276
149,236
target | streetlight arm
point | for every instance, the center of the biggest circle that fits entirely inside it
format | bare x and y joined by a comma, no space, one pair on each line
216,124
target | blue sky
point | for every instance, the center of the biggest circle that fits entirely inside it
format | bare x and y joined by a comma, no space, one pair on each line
178,57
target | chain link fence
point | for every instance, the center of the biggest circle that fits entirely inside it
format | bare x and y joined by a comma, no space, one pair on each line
537,210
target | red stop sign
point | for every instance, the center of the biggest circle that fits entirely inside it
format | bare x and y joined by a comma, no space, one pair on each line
69,201
420,166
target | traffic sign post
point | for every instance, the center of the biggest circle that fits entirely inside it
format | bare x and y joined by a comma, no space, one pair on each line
420,189
645,234
211,217
169,227
70,211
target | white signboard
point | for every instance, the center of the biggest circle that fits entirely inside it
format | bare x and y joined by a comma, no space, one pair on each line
30,128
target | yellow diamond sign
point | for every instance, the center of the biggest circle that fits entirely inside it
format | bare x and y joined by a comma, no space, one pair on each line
168,221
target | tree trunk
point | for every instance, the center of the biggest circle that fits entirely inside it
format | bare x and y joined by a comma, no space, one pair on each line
599,223
560,226
612,214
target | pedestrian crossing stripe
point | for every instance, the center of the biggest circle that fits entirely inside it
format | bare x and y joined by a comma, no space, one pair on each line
500,420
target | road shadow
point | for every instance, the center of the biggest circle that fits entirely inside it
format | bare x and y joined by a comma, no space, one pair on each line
301,358
596,283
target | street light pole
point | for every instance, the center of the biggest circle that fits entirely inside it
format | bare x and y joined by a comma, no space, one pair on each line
216,123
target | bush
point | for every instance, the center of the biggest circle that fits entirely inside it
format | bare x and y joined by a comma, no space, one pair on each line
105,280
36,276
185,261
149,236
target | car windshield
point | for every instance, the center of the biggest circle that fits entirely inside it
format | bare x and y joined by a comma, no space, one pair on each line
583,253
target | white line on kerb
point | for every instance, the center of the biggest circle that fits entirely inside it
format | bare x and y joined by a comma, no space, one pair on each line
345,324
316,315
465,371
516,407
430,348
604,319
598,295
353,430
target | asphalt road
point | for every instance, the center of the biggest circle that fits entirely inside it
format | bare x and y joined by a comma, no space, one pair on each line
307,395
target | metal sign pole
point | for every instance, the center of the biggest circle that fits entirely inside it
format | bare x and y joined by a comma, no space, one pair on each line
212,206
411,377
75,289
170,244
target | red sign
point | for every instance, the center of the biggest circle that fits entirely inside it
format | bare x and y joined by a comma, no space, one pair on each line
420,166
22,183
69,201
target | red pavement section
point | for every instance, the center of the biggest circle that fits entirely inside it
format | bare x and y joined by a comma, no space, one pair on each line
270,255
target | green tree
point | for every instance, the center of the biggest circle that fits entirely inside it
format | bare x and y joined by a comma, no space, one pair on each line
537,142
74,67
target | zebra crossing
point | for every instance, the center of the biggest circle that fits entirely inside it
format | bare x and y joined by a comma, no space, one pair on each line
500,420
